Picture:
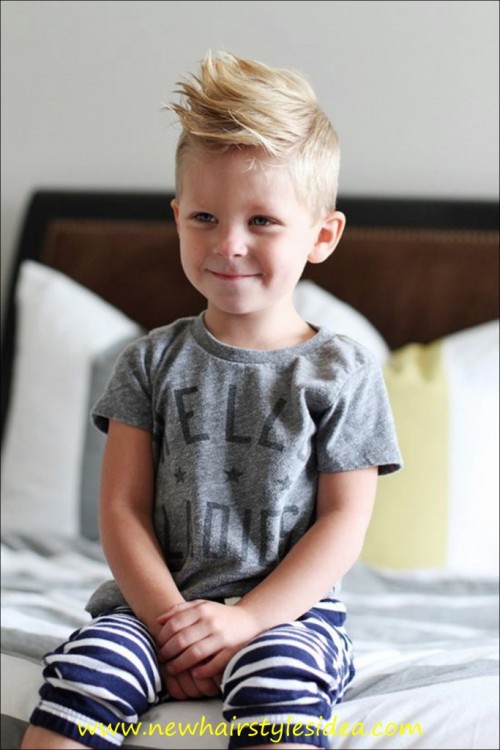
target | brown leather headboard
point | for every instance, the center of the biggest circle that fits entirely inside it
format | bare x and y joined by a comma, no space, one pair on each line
415,285
417,269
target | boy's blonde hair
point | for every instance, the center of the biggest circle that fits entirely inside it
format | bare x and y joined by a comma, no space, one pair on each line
238,103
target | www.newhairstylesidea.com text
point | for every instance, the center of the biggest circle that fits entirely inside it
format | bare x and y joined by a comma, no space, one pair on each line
268,730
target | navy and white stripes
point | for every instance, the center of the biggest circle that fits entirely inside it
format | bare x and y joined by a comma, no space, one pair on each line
299,670
107,674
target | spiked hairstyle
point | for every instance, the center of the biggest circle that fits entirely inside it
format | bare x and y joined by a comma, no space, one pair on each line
238,103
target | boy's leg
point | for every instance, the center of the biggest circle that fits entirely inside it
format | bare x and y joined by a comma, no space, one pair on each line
287,678
105,676
38,738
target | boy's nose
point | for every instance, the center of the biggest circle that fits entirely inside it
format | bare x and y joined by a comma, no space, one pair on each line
231,244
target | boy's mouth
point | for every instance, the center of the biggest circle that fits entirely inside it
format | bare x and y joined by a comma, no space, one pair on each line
232,275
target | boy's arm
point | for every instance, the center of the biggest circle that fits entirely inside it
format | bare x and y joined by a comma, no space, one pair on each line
324,554
126,526
195,631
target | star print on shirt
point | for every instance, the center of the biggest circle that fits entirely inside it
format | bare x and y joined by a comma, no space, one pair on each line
180,475
233,475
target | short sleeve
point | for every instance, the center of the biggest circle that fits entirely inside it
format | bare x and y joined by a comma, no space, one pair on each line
127,396
358,430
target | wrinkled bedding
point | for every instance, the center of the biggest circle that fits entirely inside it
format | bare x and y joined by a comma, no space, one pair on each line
426,653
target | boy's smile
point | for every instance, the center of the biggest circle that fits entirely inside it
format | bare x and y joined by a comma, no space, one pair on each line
228,276
245,238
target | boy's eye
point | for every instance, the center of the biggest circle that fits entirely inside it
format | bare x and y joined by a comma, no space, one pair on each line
261,221
204,217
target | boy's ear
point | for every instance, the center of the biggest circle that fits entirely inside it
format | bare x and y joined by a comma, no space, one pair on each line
329,234
175,208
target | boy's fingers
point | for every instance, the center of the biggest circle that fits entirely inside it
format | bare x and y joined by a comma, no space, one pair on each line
200,651
214,667
178,643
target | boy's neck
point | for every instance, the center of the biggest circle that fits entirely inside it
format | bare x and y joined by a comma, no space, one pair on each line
258,331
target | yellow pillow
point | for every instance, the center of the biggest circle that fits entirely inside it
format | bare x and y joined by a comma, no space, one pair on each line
441,510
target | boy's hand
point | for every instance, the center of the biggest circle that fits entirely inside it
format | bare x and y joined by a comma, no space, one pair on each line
201,636
184,686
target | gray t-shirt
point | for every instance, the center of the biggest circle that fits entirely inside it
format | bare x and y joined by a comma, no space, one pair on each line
239,438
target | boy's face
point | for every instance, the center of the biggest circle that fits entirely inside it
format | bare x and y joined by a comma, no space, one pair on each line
244,237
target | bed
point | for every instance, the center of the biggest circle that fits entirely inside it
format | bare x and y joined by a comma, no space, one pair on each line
414,280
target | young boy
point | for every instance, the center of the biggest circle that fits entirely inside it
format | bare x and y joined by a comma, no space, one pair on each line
243,445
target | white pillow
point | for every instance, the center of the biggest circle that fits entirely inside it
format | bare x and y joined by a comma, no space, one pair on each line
319,307
471,359
61,328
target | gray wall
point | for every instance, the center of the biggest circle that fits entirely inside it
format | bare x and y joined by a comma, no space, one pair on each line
412,88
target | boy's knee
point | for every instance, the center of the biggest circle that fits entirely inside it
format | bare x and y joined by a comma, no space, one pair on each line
281,666
102,665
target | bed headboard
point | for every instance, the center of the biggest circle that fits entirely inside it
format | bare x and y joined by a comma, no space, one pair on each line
417,269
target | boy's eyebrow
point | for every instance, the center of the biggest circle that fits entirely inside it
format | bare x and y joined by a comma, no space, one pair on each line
260,208
203,204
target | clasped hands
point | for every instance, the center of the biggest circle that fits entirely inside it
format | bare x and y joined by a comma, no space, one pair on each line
195,643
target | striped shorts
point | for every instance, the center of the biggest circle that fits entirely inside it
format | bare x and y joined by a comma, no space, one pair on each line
107,674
